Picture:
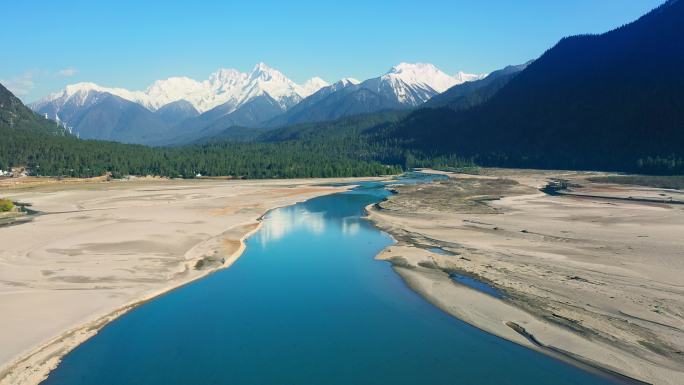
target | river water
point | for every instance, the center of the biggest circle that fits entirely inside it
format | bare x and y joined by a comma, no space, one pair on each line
305,304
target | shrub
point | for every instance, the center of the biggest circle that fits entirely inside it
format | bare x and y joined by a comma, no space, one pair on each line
6,205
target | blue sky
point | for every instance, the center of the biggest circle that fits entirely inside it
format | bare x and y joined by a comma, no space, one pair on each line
132,43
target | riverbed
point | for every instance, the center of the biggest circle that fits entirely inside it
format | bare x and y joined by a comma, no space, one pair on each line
306,303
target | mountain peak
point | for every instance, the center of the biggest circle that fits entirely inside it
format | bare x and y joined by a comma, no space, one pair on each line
348,81
72,89
80,93
317,81
312,85
225,76
405,67
225,85
261,67
420,74
264,71
464,77
340,84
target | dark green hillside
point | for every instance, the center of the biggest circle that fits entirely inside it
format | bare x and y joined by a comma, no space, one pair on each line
29,140
471,94
349,126
14,114
51,155
613,101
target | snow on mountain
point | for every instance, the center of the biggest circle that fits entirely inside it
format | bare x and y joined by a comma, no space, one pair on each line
409,84
353,81
404,86
463,77
412,84
225,86
81,95
264,79
345,82
163,92
312,85
421,74
262,96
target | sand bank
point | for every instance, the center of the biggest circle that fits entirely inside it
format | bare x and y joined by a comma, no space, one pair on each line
597,279
99,249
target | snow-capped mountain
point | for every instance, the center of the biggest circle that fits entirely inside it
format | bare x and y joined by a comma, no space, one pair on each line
223,86
410,81
343,83
413,84
180,109
463,77
263,93
310,109
405,85
312,85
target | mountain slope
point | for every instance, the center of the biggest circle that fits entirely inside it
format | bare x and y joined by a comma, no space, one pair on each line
15,115
404,86
347,127
91,113
110,117
306,109
606,101
177,111
248,117
466,95
225,86
169,108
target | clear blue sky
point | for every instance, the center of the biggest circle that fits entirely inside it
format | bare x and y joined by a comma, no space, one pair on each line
48,44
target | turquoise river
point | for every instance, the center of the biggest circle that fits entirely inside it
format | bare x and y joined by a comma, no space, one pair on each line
306,303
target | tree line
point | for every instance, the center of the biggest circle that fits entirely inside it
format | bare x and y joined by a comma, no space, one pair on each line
54,155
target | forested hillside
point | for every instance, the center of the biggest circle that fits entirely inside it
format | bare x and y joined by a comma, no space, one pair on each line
46,154
39,144
474,93
14,114
604,102
613,101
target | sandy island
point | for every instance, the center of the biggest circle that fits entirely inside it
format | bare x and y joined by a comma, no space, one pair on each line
592,280
100,248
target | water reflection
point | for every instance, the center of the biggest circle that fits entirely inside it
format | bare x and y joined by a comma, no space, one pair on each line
350,226
279,223
306,304
317,213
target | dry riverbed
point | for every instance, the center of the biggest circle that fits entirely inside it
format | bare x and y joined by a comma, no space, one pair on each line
585,277
96,249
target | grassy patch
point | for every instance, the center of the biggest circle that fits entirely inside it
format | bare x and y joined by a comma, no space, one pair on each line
671,182
6,205
209,262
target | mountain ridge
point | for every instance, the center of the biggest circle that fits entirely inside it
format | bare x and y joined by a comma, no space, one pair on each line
579,106
403,86
229,98
472,93
15,115
222,86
